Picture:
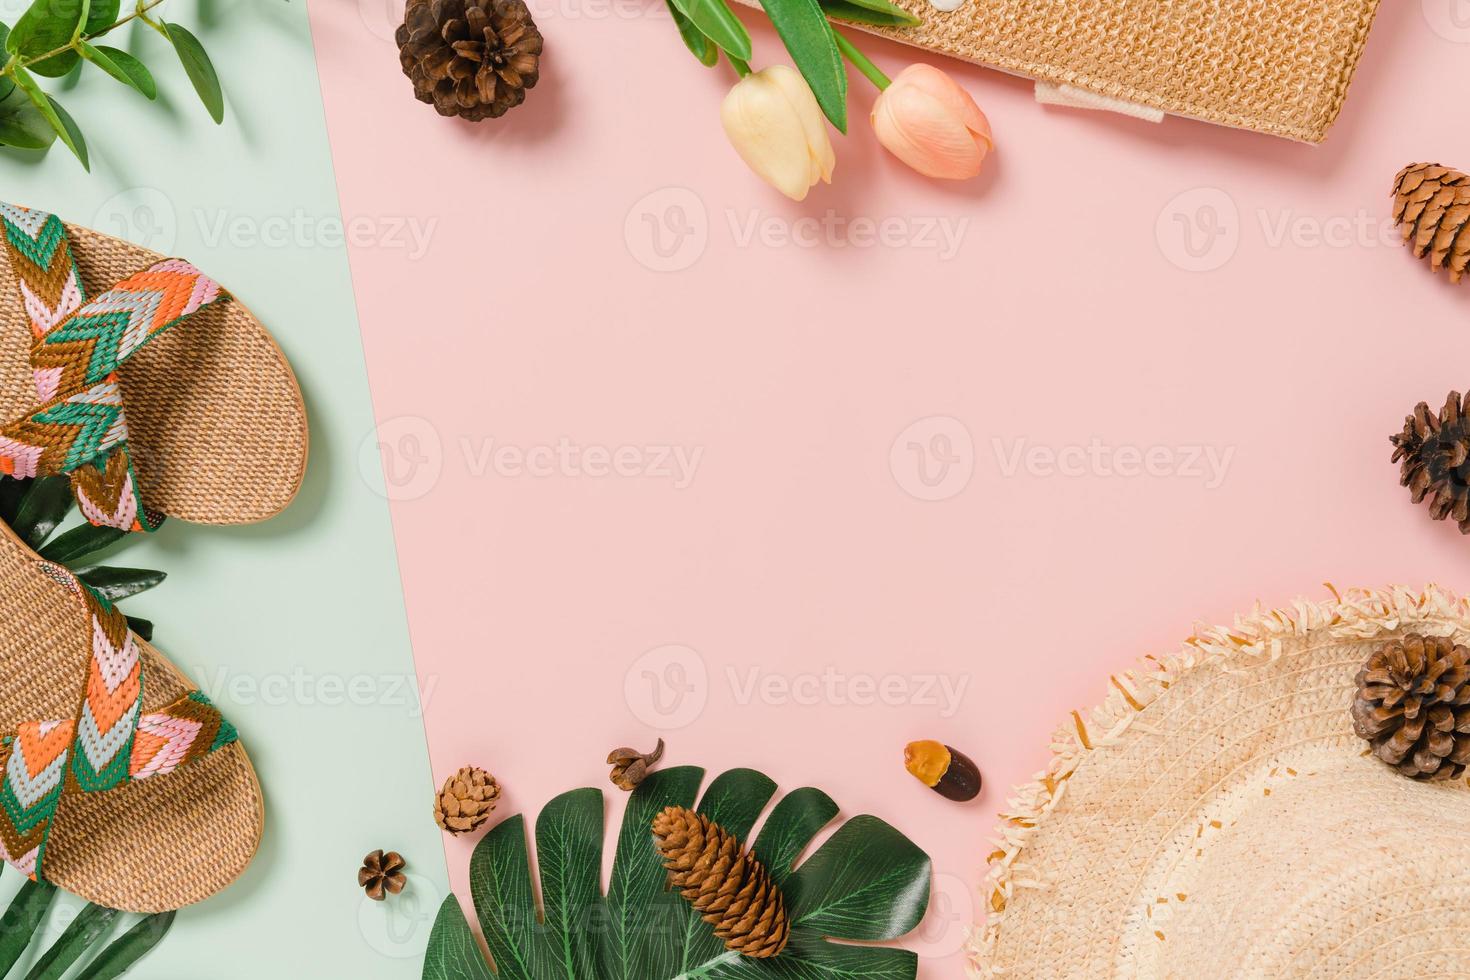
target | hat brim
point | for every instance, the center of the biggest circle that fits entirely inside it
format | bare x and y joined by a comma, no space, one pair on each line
1217,816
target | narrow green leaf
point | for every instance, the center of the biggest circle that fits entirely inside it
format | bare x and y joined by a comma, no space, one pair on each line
143,627
793,823
45,26
22,920
807,35
199,69
867,882
47,108
71,133
703,48
877,12
11,490
500,884
716,21
119,583
128,949
91,923
80,542
453,953
123,67
46,502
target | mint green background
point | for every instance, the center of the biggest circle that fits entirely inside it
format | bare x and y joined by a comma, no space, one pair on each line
315,590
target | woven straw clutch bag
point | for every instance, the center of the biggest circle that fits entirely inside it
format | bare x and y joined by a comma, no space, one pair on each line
1274,66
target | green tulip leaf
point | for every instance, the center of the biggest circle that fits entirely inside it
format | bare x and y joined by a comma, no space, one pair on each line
877,12
22,125
130,947
81,541
808,37
123,67
199,69
22,921
715,20
119,583
867,881
703,48
90,925
46,503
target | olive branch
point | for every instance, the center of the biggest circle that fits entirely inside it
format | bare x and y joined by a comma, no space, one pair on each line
53,37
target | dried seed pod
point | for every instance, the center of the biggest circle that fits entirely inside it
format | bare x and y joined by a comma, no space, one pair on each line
948,772
382,875
630,766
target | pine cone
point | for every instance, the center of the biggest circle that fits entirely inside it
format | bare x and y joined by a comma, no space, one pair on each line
465,801
729,888
1432,204
382,875
1413,706
470,58
1435,455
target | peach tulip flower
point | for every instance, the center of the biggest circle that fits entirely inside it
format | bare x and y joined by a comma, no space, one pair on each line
926,120
775,124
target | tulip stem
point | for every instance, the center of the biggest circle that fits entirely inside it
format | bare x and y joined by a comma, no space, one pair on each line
741,68
860,61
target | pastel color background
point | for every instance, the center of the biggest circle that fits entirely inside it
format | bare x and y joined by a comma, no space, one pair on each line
294,627
603,273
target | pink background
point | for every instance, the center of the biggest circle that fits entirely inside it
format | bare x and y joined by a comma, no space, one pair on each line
1064,316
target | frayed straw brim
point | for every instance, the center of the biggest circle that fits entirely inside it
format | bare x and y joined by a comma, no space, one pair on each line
216,424
1216,817
1281,67
150,845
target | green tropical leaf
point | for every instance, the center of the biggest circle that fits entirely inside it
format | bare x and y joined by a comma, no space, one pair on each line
199,69
80,542
878,12
46,503
22,921
133,945
703,48
119,583
22,125
715,20
90,924
45,26
808,37
123,67
866,881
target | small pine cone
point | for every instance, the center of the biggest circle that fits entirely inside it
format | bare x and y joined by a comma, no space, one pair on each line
465,801
470,58
1432,206
728,887
382,874
1413,706
1434,451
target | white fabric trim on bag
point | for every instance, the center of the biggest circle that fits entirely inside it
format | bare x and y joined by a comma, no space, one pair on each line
1072,97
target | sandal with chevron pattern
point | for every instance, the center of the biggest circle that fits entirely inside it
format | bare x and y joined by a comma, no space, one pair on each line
120,782
214,430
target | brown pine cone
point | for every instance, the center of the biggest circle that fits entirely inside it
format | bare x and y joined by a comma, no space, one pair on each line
1432,205
728,887
470,58
1435,454
465,801
1413,706
382,875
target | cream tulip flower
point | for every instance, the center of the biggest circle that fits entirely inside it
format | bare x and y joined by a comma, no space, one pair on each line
773,121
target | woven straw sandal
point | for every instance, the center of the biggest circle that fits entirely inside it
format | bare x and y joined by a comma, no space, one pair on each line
215,430
121,783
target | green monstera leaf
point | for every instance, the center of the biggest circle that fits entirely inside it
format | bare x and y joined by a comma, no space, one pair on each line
867,883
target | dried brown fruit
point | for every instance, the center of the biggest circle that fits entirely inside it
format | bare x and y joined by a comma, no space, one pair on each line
465,801
382,875
948,772
630,765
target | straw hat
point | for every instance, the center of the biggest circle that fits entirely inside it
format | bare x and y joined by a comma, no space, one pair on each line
1218,818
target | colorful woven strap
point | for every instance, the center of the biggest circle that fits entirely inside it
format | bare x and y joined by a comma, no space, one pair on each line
80,428
108,744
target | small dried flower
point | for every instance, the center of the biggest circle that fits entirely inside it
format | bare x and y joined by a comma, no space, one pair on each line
382,875
630,765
